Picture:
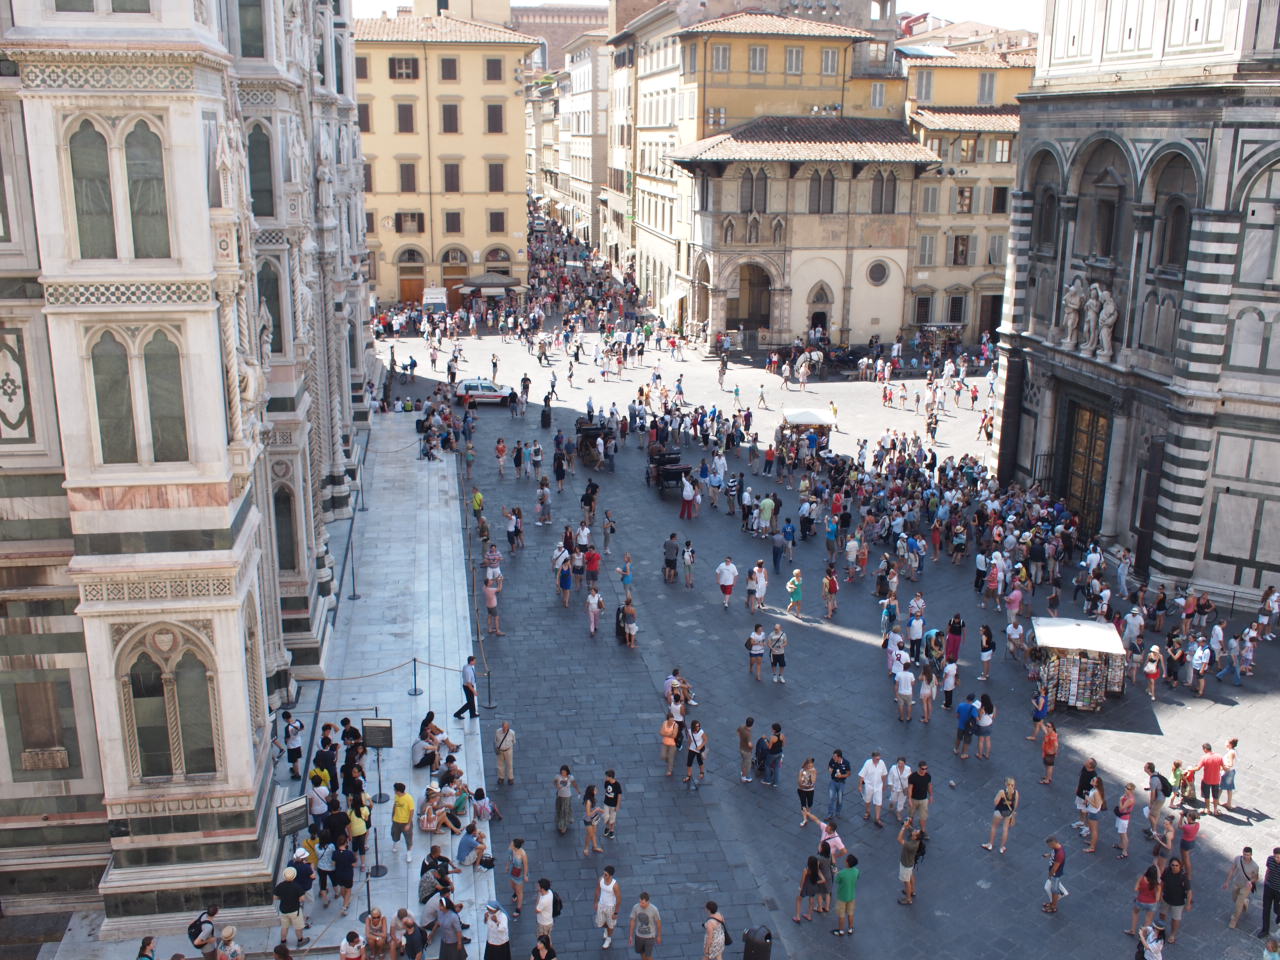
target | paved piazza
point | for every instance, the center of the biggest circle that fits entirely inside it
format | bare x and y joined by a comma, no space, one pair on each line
593,704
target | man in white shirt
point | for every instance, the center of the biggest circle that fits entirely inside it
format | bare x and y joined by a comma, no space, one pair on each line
904,683
726,577
898,774
1014,632
543,908
871,779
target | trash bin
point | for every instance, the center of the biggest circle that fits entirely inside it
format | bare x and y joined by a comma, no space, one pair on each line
546,419
757,944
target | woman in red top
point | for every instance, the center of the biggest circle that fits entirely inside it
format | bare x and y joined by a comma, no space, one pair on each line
1146,894
1049,750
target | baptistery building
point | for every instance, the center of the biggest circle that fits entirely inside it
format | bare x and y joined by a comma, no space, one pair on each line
1140,345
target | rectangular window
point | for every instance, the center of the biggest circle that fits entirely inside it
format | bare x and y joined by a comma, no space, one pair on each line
362,68
962,200
877,52
1000,151
362,117
449,118
368,178
497,221
403,68
453,178
493,69
453,221
929,200
924,311
955,308
795,60
130,6
720,58
370,222
999,199
877,95
493,118
939,146
690,58
715,116
73,6
497,178
968,150
996,249
961,244
757,59
986,88
408,178
925,257
252,30
830,61
924,85
404,118
410,222
448,68
38,717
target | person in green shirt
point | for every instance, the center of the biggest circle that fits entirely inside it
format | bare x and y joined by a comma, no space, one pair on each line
846,897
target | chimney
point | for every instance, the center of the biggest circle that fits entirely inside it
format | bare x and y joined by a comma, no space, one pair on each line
404,11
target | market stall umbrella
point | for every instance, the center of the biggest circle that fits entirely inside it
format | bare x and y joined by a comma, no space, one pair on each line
493,284
808,418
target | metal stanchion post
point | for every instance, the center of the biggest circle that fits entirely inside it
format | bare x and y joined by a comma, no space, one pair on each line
488,691
379,797
379,869
415,690
368,899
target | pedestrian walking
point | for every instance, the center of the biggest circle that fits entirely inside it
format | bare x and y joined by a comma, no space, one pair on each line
713,933
1004,815
545,910
696,752
840,771
1242,880
806,781
595,609
846,882
1270,893
592,815
468,691
1053,888
644,930
565,786
920,794
1176,896
517,873
777,644
871,782
688,557
1146,898
608,900
612,800
795,594
812,886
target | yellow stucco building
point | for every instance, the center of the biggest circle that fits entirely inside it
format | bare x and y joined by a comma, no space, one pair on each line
441,115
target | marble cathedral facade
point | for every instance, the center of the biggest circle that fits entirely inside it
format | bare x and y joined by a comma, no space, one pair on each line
182,369
1140,342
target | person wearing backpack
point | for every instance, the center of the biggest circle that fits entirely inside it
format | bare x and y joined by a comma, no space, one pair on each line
1159,790
547,907
201,932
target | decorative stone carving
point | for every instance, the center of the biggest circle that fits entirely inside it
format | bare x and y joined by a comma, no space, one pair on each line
115,294
181,588
1072,300
1106,324
121,630
1091,308
192,803
133,77
15,397
50,758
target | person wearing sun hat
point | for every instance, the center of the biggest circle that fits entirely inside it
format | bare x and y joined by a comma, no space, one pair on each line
289,895
497,941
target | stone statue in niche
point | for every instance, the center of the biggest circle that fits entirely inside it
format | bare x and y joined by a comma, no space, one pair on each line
1091,308
1072,301
297,149
324,178
1106,324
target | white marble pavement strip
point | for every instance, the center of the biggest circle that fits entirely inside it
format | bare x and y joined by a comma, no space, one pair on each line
414,603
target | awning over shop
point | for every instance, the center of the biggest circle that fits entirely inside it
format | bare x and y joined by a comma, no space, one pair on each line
493,285
808,418
1087,635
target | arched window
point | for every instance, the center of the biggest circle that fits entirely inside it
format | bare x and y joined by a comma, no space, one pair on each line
114,396
815,192
1044,221
261,188
828,192
410,255
745,192
91,184
877,193
151,726
148,210
195,719
890,193
286,531
727,232
165,402
269,293
760,203
497,260
779,232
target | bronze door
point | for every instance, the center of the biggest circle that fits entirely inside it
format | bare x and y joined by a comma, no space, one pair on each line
1088,433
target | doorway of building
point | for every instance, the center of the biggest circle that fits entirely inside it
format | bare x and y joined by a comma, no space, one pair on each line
749,310
1088,437
989,309
410,265
453,271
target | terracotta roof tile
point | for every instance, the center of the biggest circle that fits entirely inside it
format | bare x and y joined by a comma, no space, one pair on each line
776,24
968,119
443,29
810,138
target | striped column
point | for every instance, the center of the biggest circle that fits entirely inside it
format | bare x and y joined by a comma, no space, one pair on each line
1015,315
1198,358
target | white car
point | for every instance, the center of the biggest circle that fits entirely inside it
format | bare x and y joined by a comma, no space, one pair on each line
482,390
539,225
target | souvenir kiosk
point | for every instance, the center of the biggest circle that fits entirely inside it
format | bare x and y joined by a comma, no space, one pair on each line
1082,661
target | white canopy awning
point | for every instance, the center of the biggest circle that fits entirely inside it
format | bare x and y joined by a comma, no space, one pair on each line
1059,634
808,418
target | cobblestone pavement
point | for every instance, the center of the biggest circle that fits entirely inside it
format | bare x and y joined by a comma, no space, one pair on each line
593,704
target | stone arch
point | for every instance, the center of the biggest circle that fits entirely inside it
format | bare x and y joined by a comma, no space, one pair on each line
1036,172
1085,151
1155,165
